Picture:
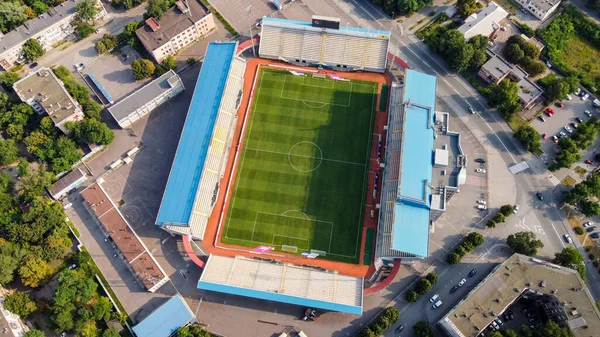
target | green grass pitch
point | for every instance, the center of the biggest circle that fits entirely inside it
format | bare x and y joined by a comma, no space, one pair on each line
302,175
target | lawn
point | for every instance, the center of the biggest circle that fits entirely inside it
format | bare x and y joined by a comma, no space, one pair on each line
301,181
581,55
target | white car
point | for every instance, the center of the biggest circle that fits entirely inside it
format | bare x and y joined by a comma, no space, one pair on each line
568,129
480,170
569,97
437,304
462,282
472,111
434,298
584,97
568,238
516,209
588,224
99,30
481,207
578,91
481,202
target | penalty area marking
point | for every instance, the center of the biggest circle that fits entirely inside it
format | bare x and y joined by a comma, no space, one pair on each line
310,101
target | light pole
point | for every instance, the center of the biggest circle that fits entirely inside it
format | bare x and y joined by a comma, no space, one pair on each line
248,11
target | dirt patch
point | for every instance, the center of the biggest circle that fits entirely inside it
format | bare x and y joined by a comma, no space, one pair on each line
574,222
580,170
569,181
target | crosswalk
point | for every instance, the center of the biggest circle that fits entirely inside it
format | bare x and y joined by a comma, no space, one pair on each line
553,180
522,166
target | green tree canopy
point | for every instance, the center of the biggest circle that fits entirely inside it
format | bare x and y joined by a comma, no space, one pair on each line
8,265
9,153
100,47
87,10
475,238
84,29
524,243
32,50
412,296
35,272
467,7
34,333
91,131
569,154
8,78
112,332
12,15
157,8
432,277
39,7
169,62
20,304
504,97
422,329
142,69
568,257
530,138
423,286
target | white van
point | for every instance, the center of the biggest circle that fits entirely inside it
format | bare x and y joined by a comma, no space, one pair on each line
437,304
435,297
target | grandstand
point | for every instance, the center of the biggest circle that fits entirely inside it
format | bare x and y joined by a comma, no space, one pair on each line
201,156
404,218
283,282
313,44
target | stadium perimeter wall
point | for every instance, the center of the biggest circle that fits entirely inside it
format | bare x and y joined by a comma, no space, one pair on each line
215,224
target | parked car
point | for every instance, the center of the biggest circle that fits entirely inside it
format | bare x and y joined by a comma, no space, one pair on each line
568,238
539,196
562,134
575,125
400,328
542,118
587,112
33,65
579,120
595,235
555,138
548,113
472,111
587,224
481,207
480,160
434,298
578,91
544,136
462,282
499,321
589,162
437,304
480,170
568,129
559,104
550,110
590,229
569,97
472,272
453,289
584,97
483,202
516,209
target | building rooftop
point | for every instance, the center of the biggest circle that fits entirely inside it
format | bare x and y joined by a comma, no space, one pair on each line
528,90
282,282
140,97
343,29
523,274
34,26
133,249
451,141
66,181
45,88
166,319
171,24
180,192
497,66
485,22
545,4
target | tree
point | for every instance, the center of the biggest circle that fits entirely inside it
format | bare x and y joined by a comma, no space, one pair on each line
157,8
568,155
110,41
586,134
39,7
55,246
30,13
34,183
529,138
504,97
524,243
91,131
111,332
475,238
91,109
67,154
32,50
467,7
169,62
100,47
412,296
507,210
142,69
433,278
34,333
514,53
568,257
577,194
590,208
423,286
20,304
8,78
34,272
422,329
453,258
12,15
478,59
8,265
9,153
101,309
130,28
84,29
87,10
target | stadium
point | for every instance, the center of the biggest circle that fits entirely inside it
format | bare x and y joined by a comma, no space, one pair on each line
281,167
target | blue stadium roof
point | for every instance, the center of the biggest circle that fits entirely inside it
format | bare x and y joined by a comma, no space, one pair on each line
178,199
411,220
165,320
309,24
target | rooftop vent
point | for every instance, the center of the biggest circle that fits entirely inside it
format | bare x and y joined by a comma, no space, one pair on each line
153,24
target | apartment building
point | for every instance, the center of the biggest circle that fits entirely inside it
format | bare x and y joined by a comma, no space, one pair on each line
183,24
47,28
541,9
45,93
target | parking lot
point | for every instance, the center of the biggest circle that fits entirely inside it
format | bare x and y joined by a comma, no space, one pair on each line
562,117
113,71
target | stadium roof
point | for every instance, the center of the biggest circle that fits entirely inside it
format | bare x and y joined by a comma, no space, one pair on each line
411,220
180,192
284,22
282,282
166,319
524,275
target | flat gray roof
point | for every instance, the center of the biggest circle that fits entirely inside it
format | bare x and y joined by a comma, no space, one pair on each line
34,26
545,4
528,91
48,91
497,67
66,181
171,24
140,97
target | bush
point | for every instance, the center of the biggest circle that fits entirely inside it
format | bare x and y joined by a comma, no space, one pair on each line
475,238
506,210
491,224
142,69
383,322
100,47
499,217
467,246
433,278
423,286
578,230
460,251
191,60
412,296
453,258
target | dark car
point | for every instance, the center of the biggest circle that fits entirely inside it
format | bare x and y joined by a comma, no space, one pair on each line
472,272
480,160
455,288
33,65
400,328
595,236
590,229
579,120
540,196
511,315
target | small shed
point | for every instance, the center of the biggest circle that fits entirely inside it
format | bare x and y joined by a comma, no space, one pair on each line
68,182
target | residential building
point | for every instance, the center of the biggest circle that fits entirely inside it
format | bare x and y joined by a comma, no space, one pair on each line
180,26
541,9
46,94
486,22
322,42
496,69
48,29
67,183
546,290
147,98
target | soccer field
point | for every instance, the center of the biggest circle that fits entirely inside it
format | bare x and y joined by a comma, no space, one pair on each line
302,175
